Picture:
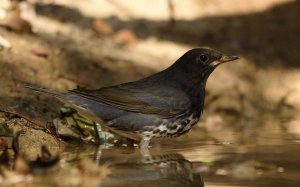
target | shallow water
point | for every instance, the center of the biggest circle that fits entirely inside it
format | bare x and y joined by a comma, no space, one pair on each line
264,160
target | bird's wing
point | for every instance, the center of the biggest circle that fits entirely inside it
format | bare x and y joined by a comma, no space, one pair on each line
157,100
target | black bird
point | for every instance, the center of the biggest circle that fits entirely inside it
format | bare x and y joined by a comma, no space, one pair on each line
166,104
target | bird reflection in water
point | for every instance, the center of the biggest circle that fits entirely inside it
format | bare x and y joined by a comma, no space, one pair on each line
162,169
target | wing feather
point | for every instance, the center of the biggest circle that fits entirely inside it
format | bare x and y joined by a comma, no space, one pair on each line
156,100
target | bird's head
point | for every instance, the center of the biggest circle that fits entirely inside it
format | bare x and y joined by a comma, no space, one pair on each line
199,63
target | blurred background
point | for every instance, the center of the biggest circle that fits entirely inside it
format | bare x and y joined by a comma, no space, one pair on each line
62,44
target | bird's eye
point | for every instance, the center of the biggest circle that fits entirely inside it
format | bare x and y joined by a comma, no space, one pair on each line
203,58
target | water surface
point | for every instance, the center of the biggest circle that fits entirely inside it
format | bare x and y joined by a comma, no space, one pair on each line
260,160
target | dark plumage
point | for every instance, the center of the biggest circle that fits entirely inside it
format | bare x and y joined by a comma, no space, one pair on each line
165,104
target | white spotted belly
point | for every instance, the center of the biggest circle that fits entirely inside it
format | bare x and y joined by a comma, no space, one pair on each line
171,129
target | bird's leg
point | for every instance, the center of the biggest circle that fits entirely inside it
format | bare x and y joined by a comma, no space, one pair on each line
97,127
144,143
102,136
144,147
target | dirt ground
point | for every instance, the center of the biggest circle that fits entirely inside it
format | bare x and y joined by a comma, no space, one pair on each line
63,44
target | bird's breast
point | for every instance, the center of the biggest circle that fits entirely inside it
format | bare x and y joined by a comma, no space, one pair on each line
170,127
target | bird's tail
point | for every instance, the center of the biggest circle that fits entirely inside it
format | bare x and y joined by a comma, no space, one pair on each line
43,90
